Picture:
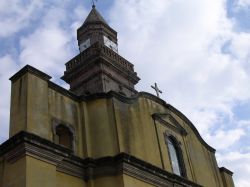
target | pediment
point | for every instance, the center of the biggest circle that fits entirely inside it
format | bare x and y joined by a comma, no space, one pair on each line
170,122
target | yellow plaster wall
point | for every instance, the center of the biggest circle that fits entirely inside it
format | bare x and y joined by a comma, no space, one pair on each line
68,112
138,137
34,105
201,162
15,173
227,180
101,130
133,182
65,180
112,181
136,131
18,110
29,106
40,173
38,107
1,171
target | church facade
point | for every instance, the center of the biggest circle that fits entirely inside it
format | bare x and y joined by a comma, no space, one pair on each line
101,132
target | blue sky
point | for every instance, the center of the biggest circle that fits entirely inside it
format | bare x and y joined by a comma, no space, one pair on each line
198,51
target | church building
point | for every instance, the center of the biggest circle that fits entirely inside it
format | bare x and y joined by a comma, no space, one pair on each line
101,132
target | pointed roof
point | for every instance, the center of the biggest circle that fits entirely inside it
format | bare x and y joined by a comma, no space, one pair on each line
94,16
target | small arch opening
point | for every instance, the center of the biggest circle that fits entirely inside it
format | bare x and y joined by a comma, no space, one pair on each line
64,136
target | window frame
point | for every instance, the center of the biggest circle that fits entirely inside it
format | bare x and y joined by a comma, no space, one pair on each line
55,124
179,155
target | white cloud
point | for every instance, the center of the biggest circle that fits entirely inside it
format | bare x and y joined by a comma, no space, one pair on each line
244,123
46,49
240,47
182,44
16,15
49,47
8,67
222,139
243,3
239,163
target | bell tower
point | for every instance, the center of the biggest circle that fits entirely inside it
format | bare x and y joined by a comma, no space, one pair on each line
99,68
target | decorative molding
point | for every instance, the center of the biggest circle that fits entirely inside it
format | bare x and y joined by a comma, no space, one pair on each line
102,51
32,70
25,143
176,127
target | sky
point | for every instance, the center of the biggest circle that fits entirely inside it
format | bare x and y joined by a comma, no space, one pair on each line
198,51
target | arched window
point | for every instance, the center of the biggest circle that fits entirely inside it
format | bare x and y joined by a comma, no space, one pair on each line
175,155
64,136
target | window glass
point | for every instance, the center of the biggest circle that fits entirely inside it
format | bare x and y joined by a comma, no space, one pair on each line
174,157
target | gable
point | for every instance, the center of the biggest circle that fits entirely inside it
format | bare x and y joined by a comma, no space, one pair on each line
170,122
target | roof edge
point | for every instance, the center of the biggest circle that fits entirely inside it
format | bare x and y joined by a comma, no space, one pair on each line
225,170
32,70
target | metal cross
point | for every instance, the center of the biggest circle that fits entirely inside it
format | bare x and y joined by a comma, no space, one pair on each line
157,90
93,3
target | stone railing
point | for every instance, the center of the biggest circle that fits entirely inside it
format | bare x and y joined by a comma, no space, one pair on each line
82,57
98,49
117,58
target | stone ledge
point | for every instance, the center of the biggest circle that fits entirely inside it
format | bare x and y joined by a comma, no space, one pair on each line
65,161
32,70
225,170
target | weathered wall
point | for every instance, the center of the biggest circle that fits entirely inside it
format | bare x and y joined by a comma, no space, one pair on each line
227,178
203,165
113,181
140,136
29,106
131,181
66,111
101,133
14,174
1,171
18,109
136,131
40,173
65,180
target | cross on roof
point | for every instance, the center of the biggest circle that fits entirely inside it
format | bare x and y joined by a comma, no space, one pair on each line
157,90
93,3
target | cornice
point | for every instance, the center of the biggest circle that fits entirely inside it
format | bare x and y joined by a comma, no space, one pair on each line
24,144
32,70
225,170
102,53
63,91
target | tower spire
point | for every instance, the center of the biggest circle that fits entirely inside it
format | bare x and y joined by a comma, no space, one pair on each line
99,68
